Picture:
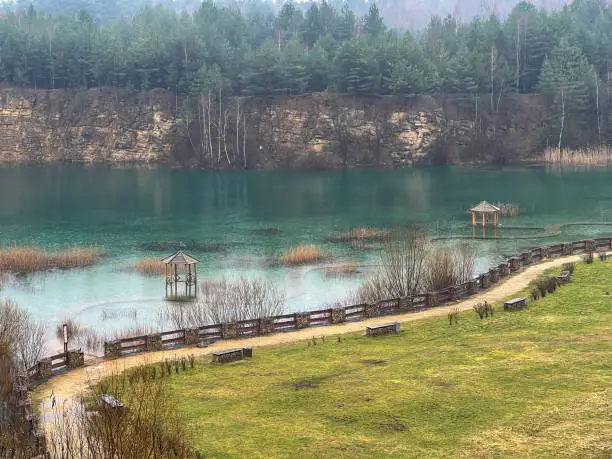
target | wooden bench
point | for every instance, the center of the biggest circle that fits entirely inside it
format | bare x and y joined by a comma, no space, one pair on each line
383,329
229,355
515,304
564,277
111,401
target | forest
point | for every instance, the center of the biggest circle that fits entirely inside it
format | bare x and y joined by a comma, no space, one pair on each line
229,50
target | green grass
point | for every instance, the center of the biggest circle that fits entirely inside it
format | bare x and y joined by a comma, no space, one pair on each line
534,383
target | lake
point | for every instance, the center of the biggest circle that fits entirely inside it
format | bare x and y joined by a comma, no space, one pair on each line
248,218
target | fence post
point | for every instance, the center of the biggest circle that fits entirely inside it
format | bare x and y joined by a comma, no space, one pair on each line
45,369
191,337
473,287
153,342
431,300
454,293
526,258
229,331
405,304
338,315
494,275
302,320
485,281
372,310
112,349
265,325
75,359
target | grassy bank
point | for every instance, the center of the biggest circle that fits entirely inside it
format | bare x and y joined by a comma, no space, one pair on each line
534,383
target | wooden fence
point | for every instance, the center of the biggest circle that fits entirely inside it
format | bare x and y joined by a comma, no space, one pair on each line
297,321
288,322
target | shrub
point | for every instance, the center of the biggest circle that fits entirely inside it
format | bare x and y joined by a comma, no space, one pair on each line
453,317
73,329
535,294
588,258
570,267
602,256
151,267
483,309
551,284
446,267
227,301
147,426
301,255
402,267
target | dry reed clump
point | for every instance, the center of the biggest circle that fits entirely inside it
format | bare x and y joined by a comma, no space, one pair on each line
588,156
151,267
342,270
301,255
507,209
361,234
30,259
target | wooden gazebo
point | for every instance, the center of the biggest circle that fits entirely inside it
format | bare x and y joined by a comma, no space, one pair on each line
487,213
187,275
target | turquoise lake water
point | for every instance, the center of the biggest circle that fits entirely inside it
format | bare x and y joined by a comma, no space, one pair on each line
125,209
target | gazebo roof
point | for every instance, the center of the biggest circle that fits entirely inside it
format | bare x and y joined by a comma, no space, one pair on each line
484,206
180,258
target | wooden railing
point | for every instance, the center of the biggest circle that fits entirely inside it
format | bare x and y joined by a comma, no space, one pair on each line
296,321
289,322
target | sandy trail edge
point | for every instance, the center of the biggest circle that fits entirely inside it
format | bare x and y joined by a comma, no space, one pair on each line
69,385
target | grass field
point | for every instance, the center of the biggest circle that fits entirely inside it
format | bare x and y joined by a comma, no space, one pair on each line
534,383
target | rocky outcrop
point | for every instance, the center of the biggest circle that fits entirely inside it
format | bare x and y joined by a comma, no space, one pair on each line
308,131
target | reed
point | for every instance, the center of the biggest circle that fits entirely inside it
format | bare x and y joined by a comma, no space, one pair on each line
361,234
302,255
600,155
21,259
507,209
342,270
150,267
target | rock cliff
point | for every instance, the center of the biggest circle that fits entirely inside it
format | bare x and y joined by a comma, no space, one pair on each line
308,131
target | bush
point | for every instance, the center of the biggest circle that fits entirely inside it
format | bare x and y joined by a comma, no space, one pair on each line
402,267
603,256
570,267
535,294
483,309
227,302
446,267
453,317
547,286
147,426
588,258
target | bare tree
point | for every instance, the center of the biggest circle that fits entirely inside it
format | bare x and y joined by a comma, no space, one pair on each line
227,301
402,262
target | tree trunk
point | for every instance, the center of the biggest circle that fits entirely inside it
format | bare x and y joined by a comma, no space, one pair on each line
562,123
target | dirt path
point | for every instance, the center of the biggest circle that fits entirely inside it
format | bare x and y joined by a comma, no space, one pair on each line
68,385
